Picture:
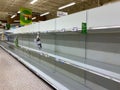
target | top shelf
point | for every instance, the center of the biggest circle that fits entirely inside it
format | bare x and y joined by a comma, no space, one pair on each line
111,29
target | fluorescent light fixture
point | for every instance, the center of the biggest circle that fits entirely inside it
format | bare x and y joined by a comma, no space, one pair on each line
45,14
33,18
13,16
32,2
18,12
68,5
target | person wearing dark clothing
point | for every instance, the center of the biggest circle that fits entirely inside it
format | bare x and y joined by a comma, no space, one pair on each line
38,41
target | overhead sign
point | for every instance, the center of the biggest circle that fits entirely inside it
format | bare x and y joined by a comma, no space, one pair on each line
25,16
60,13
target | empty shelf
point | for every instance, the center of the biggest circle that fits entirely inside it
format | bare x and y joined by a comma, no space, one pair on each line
95,70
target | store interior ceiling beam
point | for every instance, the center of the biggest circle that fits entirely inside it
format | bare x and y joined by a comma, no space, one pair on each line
42,6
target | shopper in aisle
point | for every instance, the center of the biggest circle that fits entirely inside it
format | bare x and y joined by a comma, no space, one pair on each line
38,41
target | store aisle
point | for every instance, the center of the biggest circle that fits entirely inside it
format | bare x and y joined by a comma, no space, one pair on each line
14,76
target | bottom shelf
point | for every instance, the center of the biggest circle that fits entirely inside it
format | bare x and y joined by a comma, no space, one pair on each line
88,81
55,75
91,66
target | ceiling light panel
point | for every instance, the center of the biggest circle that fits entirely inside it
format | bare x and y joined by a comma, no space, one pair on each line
68,5
33,1
45,14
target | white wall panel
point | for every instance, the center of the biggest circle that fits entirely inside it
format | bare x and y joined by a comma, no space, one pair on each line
107,15
38,27
35,27
30,26
71,21
19,30
24,30
27,29
47,25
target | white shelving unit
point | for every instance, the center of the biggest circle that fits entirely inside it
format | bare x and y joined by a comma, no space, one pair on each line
99,20
92,69
41,74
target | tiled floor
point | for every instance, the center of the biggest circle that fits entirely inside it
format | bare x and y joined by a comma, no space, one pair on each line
14,76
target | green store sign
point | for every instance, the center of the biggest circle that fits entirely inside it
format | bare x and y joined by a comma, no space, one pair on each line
25,16
84,28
